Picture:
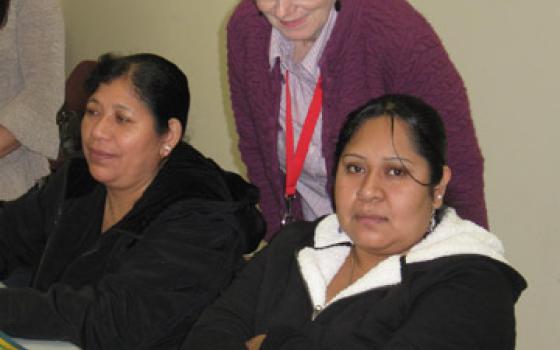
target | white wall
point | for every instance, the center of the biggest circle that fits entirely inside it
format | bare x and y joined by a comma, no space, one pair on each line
508,53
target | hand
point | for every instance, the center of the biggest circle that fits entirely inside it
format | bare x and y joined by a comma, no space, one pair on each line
8,142
255,342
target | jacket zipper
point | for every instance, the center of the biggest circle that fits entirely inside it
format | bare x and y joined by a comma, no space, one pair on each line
317,308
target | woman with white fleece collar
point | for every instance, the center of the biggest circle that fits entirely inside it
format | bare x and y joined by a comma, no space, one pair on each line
394,268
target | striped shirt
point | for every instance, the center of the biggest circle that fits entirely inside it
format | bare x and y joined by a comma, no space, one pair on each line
303,75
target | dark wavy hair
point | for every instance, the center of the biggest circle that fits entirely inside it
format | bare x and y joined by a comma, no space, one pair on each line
425,127
4,8
159,83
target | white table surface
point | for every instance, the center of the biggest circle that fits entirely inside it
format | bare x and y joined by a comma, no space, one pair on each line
44,344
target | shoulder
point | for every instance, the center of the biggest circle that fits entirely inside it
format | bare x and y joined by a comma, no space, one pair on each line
188,176
226,226
193,197
383,31
248,40
248,32
377,13
460,252
461,299
295,235
192,175
384,23
390,14
280,254
245,16
472,274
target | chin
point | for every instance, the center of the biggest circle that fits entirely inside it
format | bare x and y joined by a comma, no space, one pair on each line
366,237
295,36
100,175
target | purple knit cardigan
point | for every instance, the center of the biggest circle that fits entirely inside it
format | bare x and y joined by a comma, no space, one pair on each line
376,47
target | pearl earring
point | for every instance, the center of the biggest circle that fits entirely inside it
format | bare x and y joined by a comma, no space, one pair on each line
167,148
439,196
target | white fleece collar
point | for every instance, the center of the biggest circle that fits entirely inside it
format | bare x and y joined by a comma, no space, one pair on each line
455,236
452,236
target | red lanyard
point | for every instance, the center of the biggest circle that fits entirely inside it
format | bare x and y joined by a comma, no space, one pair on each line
295,160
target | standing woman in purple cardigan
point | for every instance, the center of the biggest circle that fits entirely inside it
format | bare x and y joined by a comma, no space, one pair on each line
298,67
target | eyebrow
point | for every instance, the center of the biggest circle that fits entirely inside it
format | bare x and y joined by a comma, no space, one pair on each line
116,106
119,106
387,159
399,159
352,155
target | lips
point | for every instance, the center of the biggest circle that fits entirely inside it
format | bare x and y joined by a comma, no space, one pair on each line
371,219
99,155
292,24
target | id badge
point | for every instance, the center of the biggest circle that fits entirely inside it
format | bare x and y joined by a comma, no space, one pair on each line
288,210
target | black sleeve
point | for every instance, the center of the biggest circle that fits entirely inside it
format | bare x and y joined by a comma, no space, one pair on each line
24,223
471,308
148,299
230,322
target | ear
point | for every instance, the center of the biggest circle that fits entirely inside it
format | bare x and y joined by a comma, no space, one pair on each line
171,137
441,187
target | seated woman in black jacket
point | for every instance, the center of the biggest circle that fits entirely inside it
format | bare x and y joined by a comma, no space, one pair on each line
393,268
128,245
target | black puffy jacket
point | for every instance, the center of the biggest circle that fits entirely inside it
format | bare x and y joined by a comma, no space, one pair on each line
143,283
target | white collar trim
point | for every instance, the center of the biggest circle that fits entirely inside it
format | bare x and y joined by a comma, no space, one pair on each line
455,236
452,236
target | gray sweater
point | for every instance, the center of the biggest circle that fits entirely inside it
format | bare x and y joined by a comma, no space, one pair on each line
31,90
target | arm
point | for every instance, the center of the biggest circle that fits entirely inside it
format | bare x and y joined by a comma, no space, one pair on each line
229,323
30,114
240,318
153,288
249,134
423,68
8,142
24,223
472,308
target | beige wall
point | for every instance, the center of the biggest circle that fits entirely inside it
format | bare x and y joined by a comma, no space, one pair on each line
188,32
508,53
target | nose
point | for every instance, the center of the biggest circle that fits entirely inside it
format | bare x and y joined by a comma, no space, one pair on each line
283,8
100,127
371,188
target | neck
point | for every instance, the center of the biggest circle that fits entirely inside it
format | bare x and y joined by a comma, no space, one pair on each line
363,261
117,204
301,48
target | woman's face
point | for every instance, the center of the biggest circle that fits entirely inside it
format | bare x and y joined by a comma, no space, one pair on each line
297,20
119,138
381,207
